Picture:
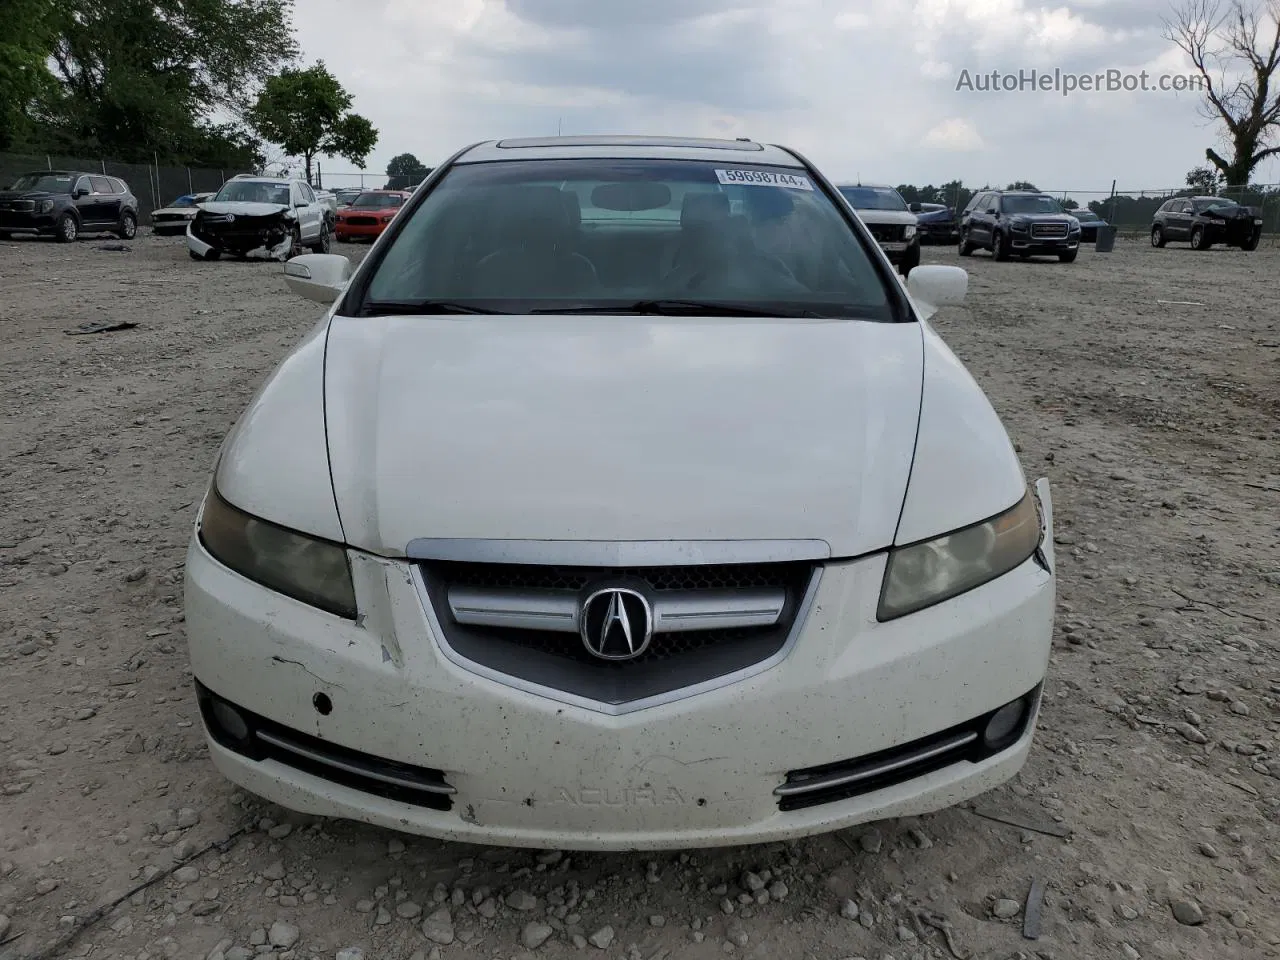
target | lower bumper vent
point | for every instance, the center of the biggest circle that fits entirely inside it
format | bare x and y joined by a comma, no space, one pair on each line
970,742
260,739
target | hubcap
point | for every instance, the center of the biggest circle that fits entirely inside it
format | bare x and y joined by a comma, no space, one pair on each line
69,228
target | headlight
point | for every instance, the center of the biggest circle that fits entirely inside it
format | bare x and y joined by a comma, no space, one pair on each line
46,206
297,565
1019,225
926,573
908,232
1073,227
388,217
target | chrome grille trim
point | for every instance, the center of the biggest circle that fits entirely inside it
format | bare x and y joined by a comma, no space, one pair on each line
818,784
673,612
329,761
616,553
598,706
1049,231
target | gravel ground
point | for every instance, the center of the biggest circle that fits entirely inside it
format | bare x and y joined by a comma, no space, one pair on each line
1150,810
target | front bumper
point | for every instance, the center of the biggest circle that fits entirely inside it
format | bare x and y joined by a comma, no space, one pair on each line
901,250
1025,243
270,245
362,230
26,222
504,766
170,228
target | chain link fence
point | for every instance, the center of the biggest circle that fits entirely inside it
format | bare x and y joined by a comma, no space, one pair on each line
154,185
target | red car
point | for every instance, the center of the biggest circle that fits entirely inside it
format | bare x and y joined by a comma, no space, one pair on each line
369,214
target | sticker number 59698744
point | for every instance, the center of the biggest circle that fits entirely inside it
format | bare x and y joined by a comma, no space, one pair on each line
762,178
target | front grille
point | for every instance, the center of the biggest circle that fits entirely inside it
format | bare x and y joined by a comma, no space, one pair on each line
521,620
886,232
263,739
1049,231
846,779
362,221
18,206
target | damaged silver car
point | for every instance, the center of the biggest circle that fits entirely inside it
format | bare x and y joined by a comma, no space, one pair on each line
261,218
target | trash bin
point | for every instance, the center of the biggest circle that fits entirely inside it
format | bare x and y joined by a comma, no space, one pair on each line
1106,240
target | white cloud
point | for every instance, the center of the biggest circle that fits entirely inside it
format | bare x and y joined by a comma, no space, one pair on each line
856,87
955,133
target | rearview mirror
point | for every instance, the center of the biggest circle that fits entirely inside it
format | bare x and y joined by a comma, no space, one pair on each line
933,285
318,276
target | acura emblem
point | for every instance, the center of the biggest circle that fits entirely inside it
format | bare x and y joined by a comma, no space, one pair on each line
616,623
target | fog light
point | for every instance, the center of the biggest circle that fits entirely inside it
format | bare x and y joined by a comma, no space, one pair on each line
1003,727
229,721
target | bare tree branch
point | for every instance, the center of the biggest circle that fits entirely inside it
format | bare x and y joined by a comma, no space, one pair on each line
1236,53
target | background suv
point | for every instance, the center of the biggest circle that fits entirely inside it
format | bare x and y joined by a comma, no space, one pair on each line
66,203
890,220
1016,221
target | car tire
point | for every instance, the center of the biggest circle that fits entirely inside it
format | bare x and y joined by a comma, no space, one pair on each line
1068,256
296,249
128,228
1252,242
966,248
909,261
210,256
322,244
1157,236
1199,241
999,246
5,235
67,228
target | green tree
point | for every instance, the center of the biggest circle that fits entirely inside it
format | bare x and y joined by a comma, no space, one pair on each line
1204,180
1236,55
308,113
1023,185
26,41
139,78
405,171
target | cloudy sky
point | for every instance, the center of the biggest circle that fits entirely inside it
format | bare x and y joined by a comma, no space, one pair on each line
864,89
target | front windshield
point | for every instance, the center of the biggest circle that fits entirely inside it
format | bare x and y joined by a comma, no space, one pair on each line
873,198
378,201
1202,205
45,182
253,191
581,235
1084,215
1031,205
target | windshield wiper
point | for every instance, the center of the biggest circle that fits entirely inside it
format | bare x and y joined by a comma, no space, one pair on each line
374,308
679,308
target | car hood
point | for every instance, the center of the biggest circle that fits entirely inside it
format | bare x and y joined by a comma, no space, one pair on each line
621,428
935,216
1238,212
28,195
888,217
243,208
186,211
1040,217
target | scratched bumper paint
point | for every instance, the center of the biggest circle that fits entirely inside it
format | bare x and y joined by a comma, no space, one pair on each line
696,772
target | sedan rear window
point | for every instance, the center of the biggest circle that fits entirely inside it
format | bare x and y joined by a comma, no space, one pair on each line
553,236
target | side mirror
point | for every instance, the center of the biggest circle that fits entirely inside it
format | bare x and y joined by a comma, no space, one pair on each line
932,286
318,276
79,193
993,211
914,207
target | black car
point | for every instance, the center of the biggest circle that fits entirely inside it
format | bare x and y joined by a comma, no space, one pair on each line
936,223
1009,222
1090,222
67,203
1204,221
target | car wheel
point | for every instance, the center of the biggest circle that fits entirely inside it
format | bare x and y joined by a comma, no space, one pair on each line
1068,256
1252,242
128,226
966,248
1198,239
322,245
296,249
68,228
1157,237
999,246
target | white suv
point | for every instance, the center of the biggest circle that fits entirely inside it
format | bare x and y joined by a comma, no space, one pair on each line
593,515
260,217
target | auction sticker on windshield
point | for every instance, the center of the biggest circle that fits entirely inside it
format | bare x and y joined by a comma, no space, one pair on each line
760,178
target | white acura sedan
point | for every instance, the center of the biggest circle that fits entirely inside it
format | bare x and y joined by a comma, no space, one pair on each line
623,499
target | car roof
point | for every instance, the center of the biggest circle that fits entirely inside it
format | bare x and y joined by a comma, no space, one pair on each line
250,178
617,147
872,186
